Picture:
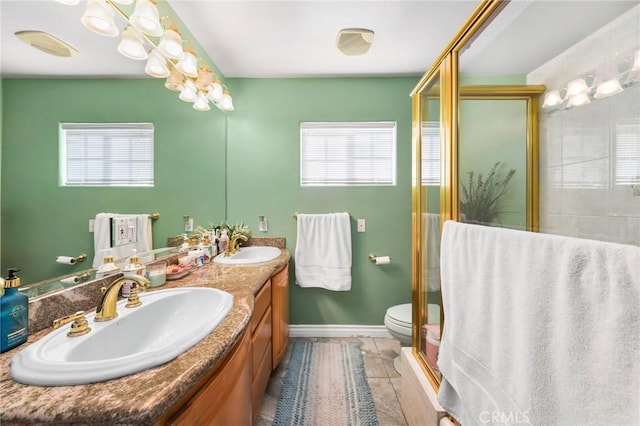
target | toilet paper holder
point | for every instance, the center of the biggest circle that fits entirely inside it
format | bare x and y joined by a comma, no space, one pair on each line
67,260
379,260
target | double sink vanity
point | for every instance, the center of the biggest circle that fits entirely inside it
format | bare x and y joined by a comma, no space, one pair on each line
199,350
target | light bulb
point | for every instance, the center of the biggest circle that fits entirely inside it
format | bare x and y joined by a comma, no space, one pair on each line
189,93
188,65
578,100
201,103
171,44
98,17
608,88
577,87
146,18
157,65
215,92
175,81
227,102
552,99
131,45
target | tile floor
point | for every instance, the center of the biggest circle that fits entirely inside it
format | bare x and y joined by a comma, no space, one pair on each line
378,355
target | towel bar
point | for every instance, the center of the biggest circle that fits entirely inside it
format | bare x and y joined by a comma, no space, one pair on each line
154,216
295,215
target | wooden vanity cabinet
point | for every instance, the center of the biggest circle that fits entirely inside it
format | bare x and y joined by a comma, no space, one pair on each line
280,312
225,399
260,346
232,393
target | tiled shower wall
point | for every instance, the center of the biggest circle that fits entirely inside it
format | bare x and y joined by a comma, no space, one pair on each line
584,174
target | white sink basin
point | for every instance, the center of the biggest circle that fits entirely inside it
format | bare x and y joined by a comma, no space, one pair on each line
247,255
168,323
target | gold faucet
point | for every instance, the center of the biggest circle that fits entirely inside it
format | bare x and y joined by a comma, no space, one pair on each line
106,309
232,249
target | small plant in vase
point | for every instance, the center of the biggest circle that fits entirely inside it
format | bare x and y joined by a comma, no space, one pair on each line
480,195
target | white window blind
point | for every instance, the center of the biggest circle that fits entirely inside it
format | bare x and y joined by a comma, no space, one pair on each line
627,149
355,153
106,154
430,153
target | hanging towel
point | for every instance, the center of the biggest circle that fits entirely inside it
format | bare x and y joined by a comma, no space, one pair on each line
102,238
323,251
431,251
540,329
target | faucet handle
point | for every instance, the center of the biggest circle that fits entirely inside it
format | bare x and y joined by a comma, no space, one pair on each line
79,327
134,300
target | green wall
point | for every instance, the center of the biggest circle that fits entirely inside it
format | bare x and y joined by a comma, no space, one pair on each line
263,179
41,220
253,172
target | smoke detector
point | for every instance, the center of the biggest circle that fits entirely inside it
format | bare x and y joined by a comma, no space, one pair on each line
47,43
354,41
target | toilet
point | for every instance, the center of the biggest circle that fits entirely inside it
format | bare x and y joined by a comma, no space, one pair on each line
398,323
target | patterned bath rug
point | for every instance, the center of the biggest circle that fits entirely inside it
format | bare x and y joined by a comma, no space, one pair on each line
325,384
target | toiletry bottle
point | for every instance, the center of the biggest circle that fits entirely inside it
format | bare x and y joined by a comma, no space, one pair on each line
224,241
134,267
108,267
14,313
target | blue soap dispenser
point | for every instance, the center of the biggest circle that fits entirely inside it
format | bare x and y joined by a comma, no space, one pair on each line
14,313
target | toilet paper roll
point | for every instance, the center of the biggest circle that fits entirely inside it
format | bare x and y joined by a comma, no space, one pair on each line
66,260
383,260
71,280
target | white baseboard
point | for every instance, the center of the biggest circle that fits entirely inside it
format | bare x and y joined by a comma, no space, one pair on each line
337,330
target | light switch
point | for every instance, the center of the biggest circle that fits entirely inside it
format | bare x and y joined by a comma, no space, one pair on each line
361,225
92,225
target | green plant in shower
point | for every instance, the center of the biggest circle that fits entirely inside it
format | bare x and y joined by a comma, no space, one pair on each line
480,195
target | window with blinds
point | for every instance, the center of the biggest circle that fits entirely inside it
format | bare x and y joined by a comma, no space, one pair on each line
347,153
106,154
627,151
430,149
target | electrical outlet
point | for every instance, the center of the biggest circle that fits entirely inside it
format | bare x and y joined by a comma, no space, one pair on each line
361,225
92,225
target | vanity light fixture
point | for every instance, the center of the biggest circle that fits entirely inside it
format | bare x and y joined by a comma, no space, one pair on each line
205,78
189,92
188,65
608,88
175,81
201,103
131,44
578,100
215,92
146,18
157,65
98,17
227,102
145,38
171,43
552,99
577,87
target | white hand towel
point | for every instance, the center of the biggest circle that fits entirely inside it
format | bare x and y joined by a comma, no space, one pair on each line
323,251
431,251
101,237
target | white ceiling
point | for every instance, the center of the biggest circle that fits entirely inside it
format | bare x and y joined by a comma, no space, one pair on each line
297,38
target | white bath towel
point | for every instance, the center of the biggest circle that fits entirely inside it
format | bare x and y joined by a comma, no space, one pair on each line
102,238
323,251
540,329
431,251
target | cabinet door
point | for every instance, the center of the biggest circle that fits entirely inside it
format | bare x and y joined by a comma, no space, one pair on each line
280,312
226,399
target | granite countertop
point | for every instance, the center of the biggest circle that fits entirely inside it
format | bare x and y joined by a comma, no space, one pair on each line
141,398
